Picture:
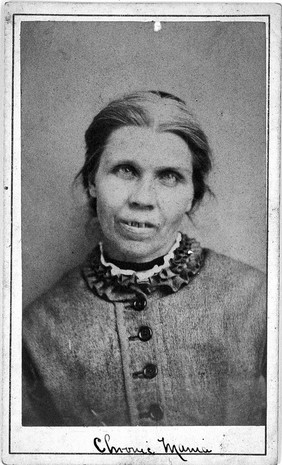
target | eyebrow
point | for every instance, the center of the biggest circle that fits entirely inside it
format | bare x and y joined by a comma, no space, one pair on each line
127,161
173,168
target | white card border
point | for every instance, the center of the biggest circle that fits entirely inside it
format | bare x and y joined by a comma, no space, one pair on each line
12,232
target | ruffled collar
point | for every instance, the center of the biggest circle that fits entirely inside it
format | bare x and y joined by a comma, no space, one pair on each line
145,274
187,260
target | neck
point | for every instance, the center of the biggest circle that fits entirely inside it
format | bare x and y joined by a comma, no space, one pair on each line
124,265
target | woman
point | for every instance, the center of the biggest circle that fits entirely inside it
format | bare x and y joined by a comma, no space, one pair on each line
151,329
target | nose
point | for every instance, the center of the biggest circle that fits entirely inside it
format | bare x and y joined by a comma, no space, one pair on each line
143,194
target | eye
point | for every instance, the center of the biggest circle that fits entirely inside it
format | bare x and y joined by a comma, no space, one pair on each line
170,178
125,171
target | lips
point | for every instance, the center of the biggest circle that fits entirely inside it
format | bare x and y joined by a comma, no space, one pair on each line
136,230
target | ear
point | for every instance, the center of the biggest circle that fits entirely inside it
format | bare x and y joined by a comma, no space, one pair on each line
92,190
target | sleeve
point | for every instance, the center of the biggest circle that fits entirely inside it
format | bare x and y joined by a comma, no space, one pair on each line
37,406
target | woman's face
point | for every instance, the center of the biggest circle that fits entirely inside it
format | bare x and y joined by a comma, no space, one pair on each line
143,188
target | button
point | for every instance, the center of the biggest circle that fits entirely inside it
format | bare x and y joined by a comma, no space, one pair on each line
140,303
150,371
145,333
156,412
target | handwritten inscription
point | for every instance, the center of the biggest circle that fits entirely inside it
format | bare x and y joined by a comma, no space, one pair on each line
104,446
119,450
181,449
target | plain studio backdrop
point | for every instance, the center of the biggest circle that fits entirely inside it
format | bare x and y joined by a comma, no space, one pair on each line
70,70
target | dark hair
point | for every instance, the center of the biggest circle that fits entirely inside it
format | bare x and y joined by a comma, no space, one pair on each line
160,111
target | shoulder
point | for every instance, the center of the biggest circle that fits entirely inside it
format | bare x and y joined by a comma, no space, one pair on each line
69,297
65,288
69,311
225,288
227,271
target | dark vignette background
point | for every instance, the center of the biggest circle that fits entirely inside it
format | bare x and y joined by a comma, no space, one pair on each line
70,70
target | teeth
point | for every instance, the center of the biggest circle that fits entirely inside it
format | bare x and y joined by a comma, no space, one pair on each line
135,224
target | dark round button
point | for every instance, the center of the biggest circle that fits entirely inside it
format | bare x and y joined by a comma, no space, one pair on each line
150,371
156,412
145,333
140,303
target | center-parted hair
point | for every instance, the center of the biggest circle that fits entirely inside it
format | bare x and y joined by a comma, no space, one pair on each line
159,111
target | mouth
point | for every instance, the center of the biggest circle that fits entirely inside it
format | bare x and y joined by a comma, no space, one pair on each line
136,230
138,224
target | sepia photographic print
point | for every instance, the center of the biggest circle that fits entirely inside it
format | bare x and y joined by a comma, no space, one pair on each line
141,236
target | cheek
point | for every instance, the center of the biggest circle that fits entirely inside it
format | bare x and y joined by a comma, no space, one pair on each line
179,202
110,198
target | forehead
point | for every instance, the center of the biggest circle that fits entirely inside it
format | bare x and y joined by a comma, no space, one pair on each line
145,146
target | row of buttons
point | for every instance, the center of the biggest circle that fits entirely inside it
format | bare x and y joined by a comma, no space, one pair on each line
150,370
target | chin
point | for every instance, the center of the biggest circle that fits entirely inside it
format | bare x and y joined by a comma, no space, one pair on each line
135,253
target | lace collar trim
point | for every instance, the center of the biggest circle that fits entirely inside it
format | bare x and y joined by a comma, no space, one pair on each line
186,262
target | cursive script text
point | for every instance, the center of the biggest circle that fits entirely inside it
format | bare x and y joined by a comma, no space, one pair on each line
118,450
103,446
179,450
